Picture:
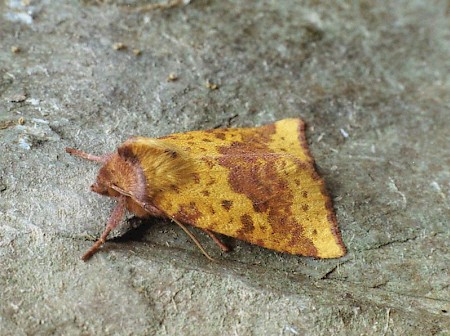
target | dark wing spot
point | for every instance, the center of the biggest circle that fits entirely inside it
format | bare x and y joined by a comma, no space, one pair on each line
173,154
210,162
227,204
188,213
126,153
247,226
220,136
315,175
196,177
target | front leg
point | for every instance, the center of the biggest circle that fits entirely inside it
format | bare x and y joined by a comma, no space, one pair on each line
148,207
113,221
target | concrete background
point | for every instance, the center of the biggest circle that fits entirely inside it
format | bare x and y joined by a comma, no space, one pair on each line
370,78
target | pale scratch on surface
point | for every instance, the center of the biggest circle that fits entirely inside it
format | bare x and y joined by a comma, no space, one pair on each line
366,157
393,187
437,187
151,7
291,330
344,133
386,326
320,137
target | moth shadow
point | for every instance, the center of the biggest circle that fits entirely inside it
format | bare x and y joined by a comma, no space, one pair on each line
164,232
138,229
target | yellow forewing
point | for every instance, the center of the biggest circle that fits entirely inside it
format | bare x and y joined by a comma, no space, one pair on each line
255,184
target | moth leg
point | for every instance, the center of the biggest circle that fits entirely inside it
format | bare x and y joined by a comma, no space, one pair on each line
113,221
195,240
151,209
90,157
222,246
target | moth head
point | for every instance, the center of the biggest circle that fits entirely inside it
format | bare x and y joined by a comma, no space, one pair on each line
107,177
116,174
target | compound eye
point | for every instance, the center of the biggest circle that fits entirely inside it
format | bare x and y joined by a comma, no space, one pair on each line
100,189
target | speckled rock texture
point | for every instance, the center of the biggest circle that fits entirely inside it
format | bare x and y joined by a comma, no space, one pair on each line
371,79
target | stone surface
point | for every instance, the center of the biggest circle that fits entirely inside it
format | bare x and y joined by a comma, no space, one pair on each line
371,80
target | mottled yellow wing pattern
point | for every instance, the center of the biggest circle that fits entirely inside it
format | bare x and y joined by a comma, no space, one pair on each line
255,184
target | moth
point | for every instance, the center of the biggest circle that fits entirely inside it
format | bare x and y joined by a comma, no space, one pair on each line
256,184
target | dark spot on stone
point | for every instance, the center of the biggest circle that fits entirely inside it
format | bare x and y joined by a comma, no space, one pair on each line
206,140
305,194
305,207
314,232
205,193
